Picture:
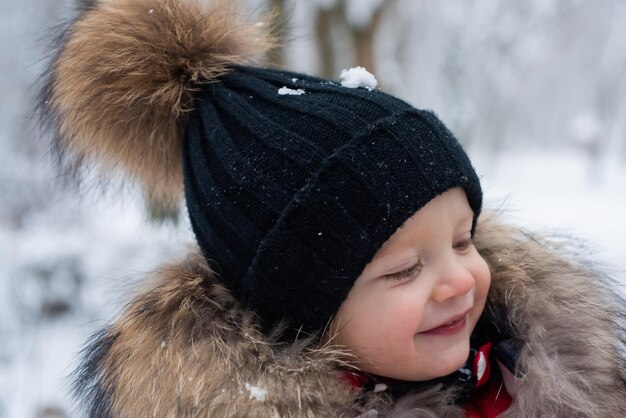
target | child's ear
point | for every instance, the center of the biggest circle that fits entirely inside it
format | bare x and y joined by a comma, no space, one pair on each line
120,86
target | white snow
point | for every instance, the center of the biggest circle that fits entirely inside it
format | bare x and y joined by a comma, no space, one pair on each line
359,12
256,392
287,91
358,77
561,193
585,129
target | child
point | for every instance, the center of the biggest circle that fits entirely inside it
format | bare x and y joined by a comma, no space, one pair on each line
342,266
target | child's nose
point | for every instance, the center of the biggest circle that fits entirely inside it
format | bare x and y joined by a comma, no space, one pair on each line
454,280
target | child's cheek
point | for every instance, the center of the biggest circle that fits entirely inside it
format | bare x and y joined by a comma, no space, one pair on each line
482,276
401,319
393,321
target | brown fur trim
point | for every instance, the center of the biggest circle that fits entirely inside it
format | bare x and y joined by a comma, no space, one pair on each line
567,318
186,348
122,83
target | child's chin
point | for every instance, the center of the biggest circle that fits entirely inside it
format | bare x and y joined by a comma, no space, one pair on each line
450,361
431,364
437,366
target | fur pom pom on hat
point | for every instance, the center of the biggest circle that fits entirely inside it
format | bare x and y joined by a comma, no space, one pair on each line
121,85
292,182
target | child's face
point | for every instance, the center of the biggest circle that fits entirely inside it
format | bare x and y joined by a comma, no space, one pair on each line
426,275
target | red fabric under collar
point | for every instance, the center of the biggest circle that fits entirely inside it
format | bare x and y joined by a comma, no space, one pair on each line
487,400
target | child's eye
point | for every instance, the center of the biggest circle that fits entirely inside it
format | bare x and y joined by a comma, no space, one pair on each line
405,274
464,244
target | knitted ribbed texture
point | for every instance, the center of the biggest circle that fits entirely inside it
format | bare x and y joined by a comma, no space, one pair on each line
290,196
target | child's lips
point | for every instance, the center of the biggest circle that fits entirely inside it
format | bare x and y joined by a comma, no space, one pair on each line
452,326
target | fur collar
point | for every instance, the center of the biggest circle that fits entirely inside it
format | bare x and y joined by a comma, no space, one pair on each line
185,348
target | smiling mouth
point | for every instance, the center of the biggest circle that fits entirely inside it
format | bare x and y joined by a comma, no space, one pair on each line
451,327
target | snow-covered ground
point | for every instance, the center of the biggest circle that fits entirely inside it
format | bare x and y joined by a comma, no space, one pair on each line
562,193
65,279
114,245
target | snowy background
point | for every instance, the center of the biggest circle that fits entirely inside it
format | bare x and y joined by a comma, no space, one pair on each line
535,90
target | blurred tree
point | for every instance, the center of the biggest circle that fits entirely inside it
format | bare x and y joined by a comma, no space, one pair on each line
279,16
158,212
359,20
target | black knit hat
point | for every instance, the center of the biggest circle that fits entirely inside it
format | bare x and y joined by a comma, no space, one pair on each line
290,196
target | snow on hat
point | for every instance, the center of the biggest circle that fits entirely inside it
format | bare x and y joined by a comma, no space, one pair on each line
292,182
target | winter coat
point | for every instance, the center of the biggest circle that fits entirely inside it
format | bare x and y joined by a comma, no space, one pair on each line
186,348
